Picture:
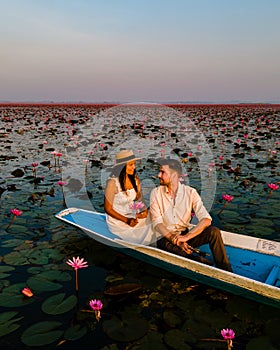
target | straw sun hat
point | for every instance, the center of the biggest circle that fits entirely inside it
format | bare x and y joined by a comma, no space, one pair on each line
125,156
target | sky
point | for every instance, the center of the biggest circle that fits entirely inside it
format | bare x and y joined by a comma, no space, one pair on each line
140,51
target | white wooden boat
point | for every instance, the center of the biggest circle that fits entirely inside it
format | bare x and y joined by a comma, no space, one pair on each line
255,261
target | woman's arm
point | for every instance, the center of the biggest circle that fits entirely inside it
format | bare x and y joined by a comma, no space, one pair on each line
110,192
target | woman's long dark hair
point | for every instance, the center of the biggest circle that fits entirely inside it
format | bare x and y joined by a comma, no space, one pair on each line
120,172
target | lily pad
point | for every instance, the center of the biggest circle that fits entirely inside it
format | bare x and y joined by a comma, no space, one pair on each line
42,333
26,257
7,323
34,270
178,340
42,284
124,288
171,319
152,340
125,330
260,343
76,332
56,304
11,296
4,269
10,243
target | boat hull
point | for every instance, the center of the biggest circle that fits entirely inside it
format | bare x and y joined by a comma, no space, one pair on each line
256,259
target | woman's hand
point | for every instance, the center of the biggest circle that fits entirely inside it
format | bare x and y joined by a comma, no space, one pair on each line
143,214
132,222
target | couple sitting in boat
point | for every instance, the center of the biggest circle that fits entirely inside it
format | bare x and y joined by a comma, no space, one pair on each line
167,223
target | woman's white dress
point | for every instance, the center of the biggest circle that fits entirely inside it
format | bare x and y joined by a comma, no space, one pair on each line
141,233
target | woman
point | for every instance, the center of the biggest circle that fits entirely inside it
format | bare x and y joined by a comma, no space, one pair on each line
122,191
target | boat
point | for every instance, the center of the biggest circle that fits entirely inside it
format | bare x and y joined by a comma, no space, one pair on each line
255,261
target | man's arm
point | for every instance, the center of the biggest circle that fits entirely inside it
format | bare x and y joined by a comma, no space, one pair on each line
196,230
204,219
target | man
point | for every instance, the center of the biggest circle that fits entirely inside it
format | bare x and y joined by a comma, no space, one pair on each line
171,207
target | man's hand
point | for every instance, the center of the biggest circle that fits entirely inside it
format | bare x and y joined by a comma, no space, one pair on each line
186,247
180,241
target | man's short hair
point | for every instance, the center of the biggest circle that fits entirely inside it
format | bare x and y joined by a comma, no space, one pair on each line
173,164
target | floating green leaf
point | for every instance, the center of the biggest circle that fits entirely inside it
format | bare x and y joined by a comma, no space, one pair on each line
56,304
260,343
178,340
42,333
15,258
124,288
55,275
76,332
12,243
39,284
171,319
26,257
11,296
7,323
48,280
4,269
35,270
125,330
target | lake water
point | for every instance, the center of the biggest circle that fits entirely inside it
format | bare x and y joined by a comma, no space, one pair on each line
224,149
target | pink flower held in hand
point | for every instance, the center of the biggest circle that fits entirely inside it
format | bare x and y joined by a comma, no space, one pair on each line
77,263
272,186
227,197
27,292
227,333
16,212
138,205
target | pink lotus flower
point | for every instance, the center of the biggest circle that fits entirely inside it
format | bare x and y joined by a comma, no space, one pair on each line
34,164
96,306
221,157
61,183
138,205
227,197
27,292
272,186
77,263
16,212
228,335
